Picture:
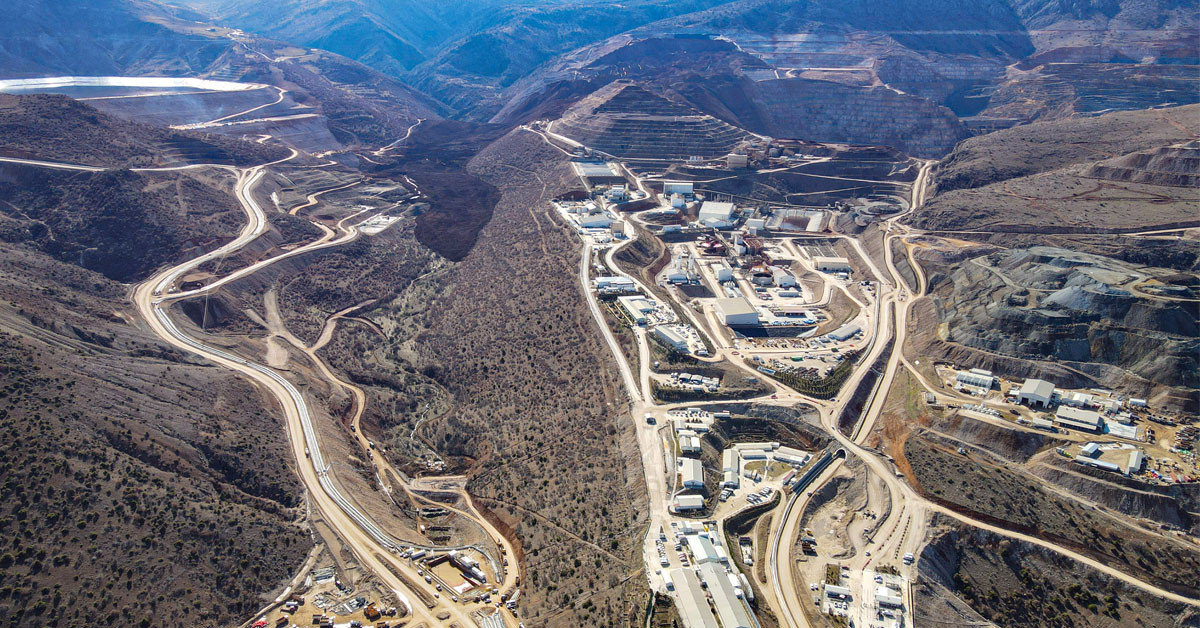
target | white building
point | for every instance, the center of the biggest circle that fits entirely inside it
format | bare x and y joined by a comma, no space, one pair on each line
978,378
730,479
689,442
638,308
595,220
1036,393
782,278
831,264
715,214
702,549
845,332
731,460
1077,399
730,609
613,284
671,337
688,502
1079,419
692,472
677,201
617,193
723,271
683,188
734,312
735,160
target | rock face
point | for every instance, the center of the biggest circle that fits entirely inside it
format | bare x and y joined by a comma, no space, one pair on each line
1082,310
1175,166
626,120
826,111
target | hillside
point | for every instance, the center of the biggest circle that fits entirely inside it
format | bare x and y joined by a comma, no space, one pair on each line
1044,146
57,128
1115,173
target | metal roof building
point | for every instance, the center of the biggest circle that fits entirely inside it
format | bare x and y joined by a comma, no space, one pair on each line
693,604
1036,393
702,549
976,377
688,502
692,472
737,311
730,608
1078,419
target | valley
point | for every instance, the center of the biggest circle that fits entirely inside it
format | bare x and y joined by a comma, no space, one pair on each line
734,314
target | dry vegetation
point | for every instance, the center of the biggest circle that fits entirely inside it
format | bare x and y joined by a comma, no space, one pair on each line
1005,495
1012,583
138,488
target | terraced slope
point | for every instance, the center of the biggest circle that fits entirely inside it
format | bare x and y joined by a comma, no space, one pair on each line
626,120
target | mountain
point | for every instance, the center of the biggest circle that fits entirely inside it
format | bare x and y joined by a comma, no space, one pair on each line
121,450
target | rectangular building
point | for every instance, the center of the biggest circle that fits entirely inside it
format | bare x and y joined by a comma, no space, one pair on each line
736,312
782,278
702,549
1078,419
692,472
637,308
688,502
730,609
713,210
978,378
683,188
671,337
831,264
613,284
845,332
693,603
1036,393
730,460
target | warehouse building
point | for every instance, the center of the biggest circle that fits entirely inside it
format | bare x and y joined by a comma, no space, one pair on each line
730,479
1136,460
682,188
716,215
731,460
693,603
831,264
613,284
670,336
689,442
1076,418
723,271
638,308
692,472
845,332
685,503
731,610
1036,393
782,278
886,598
978,378
702,549
737,312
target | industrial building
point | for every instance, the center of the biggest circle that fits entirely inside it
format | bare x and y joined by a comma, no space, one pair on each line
682,188
1036,393
831,264
689,442
1076,418
782,278
731,460
688,502
613,284
978,378
845,332
683,270
1136,460
693,603
638,308
670,336
702,549
886,598
736,312
592,221
723,271
598,172
730,609
730,479
692,472
715,214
